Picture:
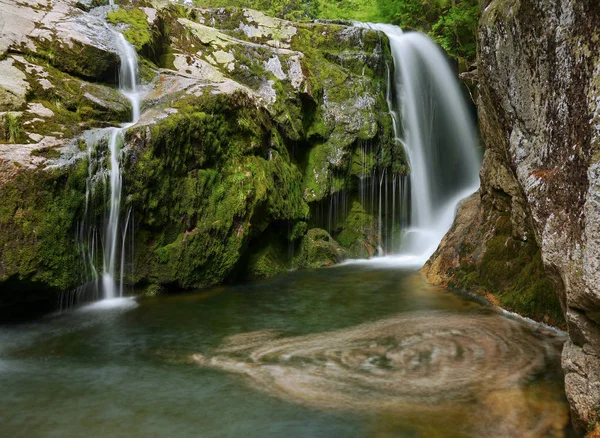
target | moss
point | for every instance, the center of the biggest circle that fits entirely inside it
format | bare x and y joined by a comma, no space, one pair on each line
159,49
138,32
78,59
205,184
153,290
46,152
298,230
318,249
38,215
268,260
148,70
512,271
77,105
359,232
208,183
316,174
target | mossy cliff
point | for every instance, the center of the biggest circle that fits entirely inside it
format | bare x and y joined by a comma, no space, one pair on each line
248,122
539,71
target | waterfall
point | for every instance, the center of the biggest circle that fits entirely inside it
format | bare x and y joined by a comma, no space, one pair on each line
439,138
105,145
128,86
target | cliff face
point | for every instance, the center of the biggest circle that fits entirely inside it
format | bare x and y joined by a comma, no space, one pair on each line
247,123
539,106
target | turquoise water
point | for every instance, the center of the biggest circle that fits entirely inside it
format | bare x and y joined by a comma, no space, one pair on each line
348,351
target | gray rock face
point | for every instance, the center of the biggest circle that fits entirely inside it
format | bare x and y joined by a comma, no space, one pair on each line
13,87
539,70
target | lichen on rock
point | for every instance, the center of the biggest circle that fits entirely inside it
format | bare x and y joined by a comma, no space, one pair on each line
538,108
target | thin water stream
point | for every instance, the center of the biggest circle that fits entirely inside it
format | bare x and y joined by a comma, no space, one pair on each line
351,351
113,251
108,284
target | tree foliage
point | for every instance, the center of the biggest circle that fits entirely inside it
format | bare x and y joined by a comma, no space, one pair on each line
451,23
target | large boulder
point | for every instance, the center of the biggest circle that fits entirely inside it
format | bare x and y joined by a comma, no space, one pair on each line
539,107
246,120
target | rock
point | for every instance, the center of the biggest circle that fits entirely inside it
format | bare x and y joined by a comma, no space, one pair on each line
49,51
593,430
17,22
539,108
440,267
76,42
245,120
359,233
13,86
582,382
318,249
266,262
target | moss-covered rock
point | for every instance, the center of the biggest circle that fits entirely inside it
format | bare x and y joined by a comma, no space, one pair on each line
318,249
137,30
359,232
267,261
485,257
38,218
247,121
204,182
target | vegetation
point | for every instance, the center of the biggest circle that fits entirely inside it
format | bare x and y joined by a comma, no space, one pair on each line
12,127
451,23
511,271
37,217
138,32
212,177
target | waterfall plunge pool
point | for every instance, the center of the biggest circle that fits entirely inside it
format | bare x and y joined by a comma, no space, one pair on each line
350,351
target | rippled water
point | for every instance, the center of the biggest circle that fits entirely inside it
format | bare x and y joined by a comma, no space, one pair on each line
349,351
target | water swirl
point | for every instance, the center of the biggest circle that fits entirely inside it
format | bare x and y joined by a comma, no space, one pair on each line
414,364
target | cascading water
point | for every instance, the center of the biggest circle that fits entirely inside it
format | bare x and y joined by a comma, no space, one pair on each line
439,138
128,77
112,237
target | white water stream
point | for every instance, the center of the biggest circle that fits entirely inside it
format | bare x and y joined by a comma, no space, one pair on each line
439,137
112,257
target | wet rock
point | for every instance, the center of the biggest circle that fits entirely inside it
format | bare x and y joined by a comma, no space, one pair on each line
318,249
539,107
244,122
440,267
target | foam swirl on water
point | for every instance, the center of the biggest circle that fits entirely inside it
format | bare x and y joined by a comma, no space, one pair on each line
413,364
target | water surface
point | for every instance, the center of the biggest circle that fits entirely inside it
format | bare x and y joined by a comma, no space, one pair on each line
351,351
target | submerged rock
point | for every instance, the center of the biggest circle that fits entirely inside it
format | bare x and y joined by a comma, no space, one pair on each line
475,373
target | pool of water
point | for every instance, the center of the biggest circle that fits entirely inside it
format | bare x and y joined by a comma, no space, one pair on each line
350,351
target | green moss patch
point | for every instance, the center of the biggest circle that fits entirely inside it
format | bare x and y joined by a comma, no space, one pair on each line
512,271
138,33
